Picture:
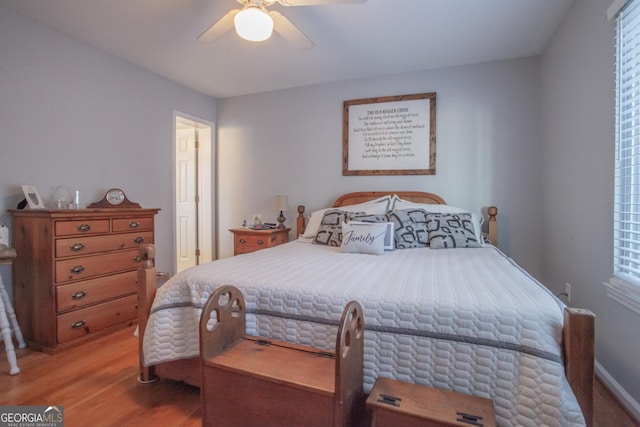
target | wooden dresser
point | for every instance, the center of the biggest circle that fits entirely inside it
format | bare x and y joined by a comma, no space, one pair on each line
75,272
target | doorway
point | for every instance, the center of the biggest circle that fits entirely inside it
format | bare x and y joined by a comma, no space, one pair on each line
194,192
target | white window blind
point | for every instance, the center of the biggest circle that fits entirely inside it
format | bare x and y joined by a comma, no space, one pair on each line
627,156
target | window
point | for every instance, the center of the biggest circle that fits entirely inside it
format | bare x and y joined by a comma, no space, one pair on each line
625,285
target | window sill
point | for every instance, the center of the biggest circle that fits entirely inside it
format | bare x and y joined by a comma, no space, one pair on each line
624,292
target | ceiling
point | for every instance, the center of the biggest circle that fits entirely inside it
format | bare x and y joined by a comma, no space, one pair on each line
352,41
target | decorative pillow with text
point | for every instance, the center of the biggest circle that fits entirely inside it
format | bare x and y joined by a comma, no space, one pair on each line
389,238
363,238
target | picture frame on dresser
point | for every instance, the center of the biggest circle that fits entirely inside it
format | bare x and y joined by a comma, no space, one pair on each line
34,201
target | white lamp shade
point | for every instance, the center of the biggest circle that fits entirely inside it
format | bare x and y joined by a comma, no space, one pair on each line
253,24
281,204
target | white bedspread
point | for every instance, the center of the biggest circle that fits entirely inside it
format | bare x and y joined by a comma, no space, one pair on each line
467,320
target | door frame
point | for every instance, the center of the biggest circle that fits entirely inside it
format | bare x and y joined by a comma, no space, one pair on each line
207,202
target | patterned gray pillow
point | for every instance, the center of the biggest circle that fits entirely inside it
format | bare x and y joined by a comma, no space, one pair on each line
451,231
410,228
370,217
330,230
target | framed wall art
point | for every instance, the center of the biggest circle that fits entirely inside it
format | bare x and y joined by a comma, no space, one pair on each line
392,135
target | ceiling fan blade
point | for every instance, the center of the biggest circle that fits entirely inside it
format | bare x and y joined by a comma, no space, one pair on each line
317,2
220,28
290,32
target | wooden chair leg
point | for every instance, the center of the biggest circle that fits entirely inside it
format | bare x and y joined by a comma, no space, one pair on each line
5,329
11,314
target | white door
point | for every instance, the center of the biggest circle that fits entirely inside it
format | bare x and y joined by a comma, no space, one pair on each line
186,202
193,194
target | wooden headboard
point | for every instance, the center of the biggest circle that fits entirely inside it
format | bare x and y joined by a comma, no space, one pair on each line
365,196
412,196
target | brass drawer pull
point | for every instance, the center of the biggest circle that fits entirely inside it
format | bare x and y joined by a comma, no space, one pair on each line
243,241
134,224
77,269
79,295
137,259
139,239
260,242
79,324
77,247
84,227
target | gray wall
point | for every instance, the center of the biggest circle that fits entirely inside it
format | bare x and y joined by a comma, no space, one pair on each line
488,151
73,115
578,83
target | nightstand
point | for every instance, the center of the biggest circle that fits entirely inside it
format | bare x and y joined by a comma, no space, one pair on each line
246,240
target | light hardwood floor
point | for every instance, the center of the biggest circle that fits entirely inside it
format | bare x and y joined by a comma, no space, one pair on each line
97,385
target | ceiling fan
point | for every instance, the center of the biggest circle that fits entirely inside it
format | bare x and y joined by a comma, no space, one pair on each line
255,23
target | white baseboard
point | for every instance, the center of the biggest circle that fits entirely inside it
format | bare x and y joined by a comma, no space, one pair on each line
625,399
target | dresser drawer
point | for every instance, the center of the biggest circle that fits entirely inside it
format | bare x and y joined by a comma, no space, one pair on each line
80,227
79,323
93,244
74,269
93,291
129,224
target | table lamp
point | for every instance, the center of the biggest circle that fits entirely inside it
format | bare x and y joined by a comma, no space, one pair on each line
281,205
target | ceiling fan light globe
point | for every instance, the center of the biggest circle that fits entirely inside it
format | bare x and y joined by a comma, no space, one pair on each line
253,24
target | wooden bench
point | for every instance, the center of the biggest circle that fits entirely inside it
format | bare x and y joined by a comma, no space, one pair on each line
394,403
255,381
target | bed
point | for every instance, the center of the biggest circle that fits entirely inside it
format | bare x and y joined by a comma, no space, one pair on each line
467,319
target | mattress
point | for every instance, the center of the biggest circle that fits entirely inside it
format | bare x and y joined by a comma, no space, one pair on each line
468,320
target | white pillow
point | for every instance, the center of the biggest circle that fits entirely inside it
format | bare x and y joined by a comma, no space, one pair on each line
389,234
365,238
477,220
377,206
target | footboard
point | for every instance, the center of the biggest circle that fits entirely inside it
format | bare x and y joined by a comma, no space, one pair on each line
147,285
578,343
184,370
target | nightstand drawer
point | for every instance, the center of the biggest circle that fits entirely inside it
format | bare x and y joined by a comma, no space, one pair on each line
73,269
82,322
246,243
93,291
94,244
246,240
